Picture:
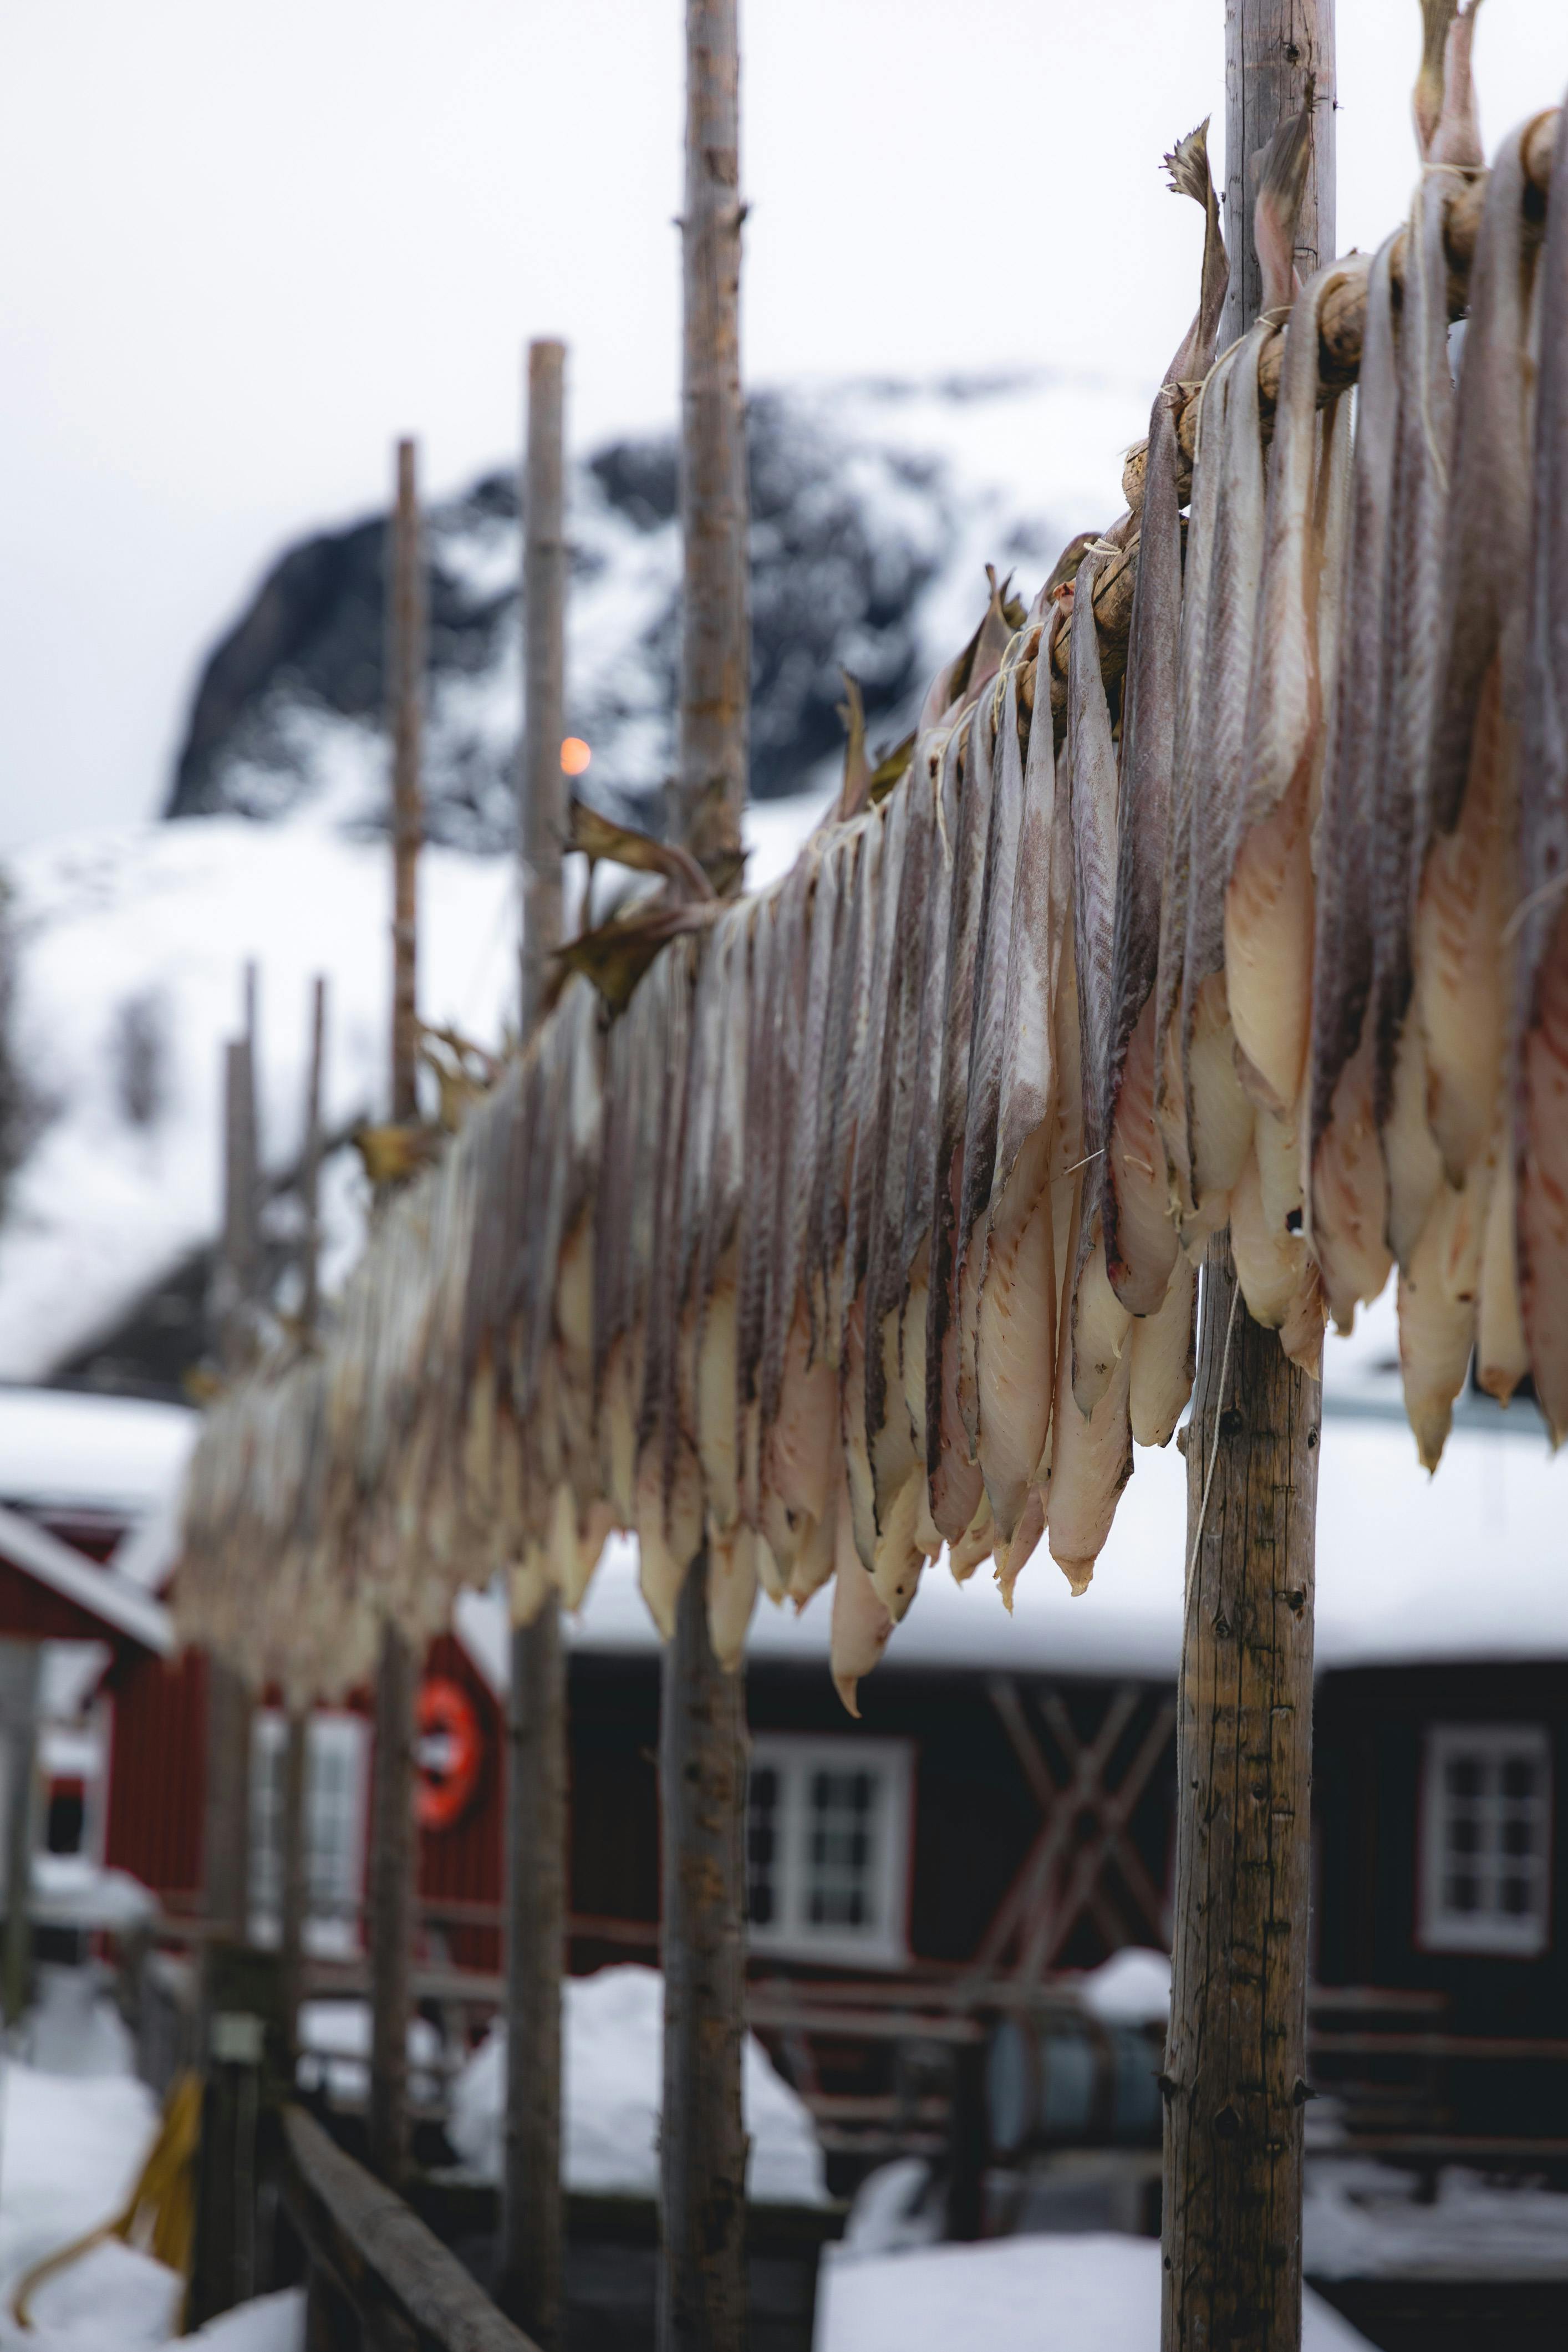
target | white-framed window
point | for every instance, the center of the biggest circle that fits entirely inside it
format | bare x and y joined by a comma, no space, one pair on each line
1486,1839
337,1748
827,1846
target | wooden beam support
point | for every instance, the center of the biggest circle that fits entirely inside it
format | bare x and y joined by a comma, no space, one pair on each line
1236,2058
542,814
702,1770
293,1824
19,1686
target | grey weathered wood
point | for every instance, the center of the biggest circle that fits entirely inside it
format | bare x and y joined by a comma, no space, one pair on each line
1234,2077
406,677
532,2241
310,1166
715,644
369,2251
543,795
702,2150
1235,2061
292,1825
1271,46
19,1681
530,2285
391,1859
294,1888
702,1776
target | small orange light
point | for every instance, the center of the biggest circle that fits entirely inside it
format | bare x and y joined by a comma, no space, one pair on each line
574,755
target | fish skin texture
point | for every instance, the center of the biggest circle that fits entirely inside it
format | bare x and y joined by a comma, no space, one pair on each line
1092,1458
1412,643
1540,1052
1141,1239
1269,903
1348,1193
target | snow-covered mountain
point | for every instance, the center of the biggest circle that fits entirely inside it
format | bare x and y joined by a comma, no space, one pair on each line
877,506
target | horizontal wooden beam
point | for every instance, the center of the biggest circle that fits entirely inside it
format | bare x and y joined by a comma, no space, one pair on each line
380,2255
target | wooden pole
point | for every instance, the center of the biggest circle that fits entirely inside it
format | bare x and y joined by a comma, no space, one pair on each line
19,1677
391,1907
293,1854
1235,2061
406,678
530,2286
227,1815
392,1849
716,637
703,1772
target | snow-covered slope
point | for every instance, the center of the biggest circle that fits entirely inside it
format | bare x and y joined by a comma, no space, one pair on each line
875,508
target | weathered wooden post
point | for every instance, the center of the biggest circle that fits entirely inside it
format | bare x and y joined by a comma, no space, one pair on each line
225,1836
19,1683
702,1770
532,2251
393,1850
1236,2062
294,1887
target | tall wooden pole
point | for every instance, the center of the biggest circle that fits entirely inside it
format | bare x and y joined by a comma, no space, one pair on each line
225,1866
406,680
20,1666
703,1772
716,636
393,1848
1236,2062
532,2249
293,1854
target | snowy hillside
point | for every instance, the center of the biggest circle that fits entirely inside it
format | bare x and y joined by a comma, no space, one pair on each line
875,508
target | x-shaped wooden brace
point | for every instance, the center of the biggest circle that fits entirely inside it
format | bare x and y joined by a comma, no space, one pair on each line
1034,1912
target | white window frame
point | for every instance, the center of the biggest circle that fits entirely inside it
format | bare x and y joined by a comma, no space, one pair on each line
794,1755
1521,1936
331,1930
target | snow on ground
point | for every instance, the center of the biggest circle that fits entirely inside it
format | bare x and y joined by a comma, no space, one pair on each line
74,2129
611,2063
1075,2294
1364,2220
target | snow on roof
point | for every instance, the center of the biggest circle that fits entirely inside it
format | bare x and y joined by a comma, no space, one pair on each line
1472,1563
63,1447
117,1603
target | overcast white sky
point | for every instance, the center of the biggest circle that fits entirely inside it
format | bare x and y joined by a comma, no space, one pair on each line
247,245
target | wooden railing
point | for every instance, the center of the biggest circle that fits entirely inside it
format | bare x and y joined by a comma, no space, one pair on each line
376,2277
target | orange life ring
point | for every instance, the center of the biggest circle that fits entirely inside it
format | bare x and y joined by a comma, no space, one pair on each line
449,1752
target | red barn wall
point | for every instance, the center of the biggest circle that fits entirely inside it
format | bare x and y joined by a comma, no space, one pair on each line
157,1772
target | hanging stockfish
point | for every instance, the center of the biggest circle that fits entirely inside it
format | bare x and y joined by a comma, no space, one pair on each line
1347,1202
669,1509
1540,1048
954,1485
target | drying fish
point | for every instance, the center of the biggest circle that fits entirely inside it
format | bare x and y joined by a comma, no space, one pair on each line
1268,893
1015,1332
1348,1191
1541,1046
1134,1203
1412,622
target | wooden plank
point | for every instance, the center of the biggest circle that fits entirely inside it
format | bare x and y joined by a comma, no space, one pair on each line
20,1668
531,2267
379,2257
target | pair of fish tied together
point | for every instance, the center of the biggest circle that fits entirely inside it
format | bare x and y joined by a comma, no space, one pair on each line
822,1230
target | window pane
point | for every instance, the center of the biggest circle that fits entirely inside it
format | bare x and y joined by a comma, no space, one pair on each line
1518,1776
1464,1775
761,1846
841,1849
